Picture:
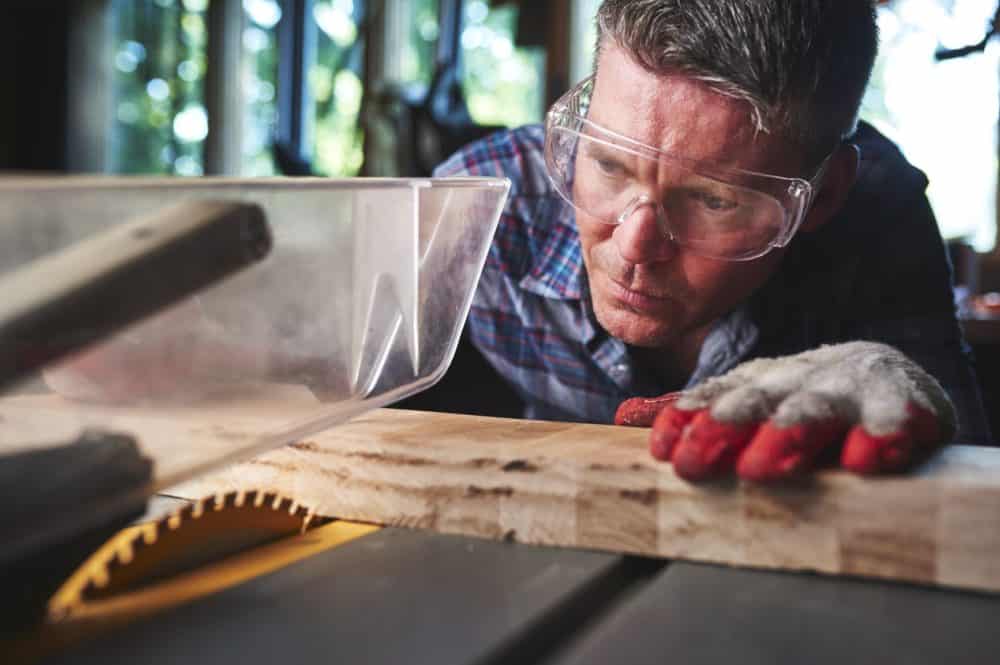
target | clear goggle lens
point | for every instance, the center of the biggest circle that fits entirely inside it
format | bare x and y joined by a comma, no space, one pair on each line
719,213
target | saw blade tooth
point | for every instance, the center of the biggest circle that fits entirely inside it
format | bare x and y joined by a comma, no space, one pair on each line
143,550
125,554
100,578
307,520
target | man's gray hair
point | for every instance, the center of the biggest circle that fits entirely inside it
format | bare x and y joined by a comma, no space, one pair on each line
802,65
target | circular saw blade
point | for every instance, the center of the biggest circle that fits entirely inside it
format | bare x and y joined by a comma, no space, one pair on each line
196,535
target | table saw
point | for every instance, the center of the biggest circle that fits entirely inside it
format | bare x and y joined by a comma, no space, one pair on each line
216,354
400,595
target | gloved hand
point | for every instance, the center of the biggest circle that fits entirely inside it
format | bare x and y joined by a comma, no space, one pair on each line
772,418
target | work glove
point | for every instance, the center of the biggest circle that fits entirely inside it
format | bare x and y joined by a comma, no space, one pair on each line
776,418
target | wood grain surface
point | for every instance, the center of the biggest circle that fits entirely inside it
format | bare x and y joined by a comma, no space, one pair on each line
587,486
595,486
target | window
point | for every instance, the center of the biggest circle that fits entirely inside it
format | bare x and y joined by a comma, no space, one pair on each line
942,114
419,25
306,114
259,76
335,83
160,122
503,83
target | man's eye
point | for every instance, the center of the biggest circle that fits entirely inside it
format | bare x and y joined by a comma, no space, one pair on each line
715,203
610,167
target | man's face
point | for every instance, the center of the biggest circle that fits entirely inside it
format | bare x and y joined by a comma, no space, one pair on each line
646,290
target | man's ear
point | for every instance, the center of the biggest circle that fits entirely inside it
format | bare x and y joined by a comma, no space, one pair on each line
841,172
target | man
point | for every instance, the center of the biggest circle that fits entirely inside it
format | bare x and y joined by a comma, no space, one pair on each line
705,199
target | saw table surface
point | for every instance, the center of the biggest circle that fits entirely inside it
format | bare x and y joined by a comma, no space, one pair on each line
410,596
435,595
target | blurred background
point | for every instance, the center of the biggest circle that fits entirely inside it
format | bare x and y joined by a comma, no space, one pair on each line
265,87
392,87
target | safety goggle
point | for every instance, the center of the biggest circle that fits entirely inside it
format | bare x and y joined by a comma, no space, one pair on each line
715,212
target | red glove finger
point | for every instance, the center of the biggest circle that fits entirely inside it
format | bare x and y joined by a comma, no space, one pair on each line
708,448
642,411
667,430
778,453
867,453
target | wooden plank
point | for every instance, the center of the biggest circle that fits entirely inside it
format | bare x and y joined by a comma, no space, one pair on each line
595,486
567,484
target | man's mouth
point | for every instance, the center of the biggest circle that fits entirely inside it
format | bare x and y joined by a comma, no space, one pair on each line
637,300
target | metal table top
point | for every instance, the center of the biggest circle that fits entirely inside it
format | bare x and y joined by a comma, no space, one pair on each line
417,597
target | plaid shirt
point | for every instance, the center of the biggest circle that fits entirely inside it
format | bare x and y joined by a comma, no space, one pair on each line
877,271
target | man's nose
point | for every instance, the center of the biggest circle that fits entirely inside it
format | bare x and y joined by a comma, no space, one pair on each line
641,236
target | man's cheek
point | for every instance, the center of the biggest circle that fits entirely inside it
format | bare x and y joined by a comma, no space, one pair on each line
594,236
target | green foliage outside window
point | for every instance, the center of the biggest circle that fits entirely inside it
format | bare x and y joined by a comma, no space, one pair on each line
335,83
335,79
159,123
259,78
418,50
503,84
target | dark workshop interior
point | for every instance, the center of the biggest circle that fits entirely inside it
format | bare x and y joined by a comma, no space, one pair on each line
392,88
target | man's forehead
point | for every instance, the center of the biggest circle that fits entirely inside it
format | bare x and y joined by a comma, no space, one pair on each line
678,114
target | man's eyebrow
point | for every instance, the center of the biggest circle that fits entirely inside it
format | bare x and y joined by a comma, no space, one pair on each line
685,176
595,148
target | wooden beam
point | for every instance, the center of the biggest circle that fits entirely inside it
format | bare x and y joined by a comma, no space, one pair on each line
564,484
594,486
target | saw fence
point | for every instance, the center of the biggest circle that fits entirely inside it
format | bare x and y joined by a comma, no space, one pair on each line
596,487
